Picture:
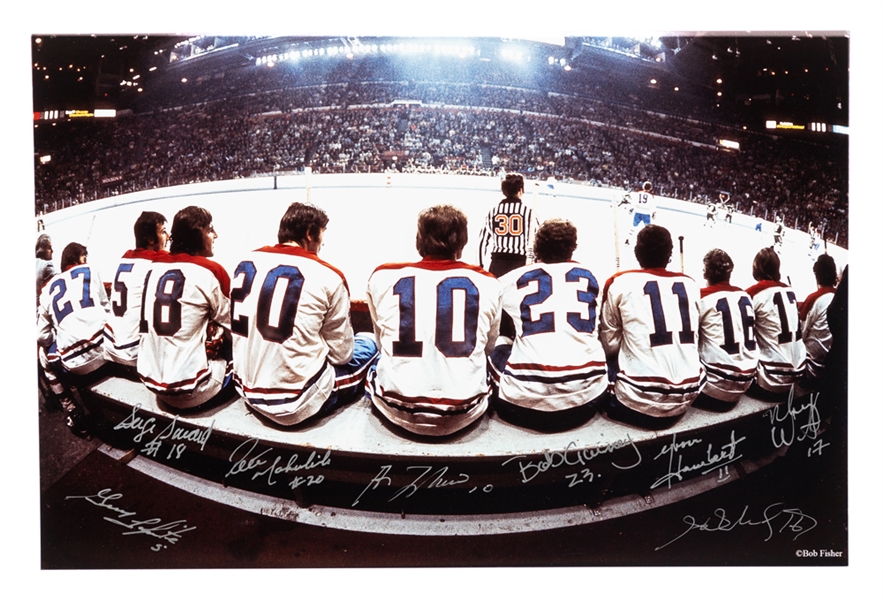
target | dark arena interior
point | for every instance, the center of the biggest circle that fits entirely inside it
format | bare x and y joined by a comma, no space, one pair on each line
762,120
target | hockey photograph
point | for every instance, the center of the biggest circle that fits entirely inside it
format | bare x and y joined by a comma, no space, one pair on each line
421,305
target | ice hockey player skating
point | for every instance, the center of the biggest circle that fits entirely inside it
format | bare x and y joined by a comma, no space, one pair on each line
644,210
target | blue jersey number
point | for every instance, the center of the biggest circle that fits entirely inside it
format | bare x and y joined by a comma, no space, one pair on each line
407,344
661,336
169,290
294,282
59,289
545,323
119,308
730,345
786,335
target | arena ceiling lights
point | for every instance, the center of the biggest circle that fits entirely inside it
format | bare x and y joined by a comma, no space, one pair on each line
351,50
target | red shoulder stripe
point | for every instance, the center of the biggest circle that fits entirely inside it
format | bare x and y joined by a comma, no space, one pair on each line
217,270
763,285
303,253
718,287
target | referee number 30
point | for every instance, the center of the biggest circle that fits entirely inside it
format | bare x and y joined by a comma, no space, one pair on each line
508,225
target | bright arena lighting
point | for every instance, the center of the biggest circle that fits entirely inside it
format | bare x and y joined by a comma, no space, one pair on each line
350,51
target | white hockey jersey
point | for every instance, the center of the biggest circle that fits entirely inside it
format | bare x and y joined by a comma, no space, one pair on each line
182,294
645,203
727,344
72,313
290,323
814,329
122,331
781,354
557,361
650,321
435,321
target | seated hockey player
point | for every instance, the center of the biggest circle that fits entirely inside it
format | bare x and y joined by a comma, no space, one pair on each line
436,321
554,376
306,362
648,326
727,345
70,328
122,331
781,354
182,356
813,314
45,268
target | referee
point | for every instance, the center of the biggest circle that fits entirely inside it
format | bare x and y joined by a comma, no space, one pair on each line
507,236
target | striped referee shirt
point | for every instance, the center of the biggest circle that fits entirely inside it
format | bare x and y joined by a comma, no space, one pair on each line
510,228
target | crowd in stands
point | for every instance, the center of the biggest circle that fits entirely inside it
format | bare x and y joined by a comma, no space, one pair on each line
435,126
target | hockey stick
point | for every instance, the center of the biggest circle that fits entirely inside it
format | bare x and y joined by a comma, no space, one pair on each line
615,207
681,241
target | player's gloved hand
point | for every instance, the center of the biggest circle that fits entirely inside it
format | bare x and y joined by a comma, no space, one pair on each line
214,341
213,348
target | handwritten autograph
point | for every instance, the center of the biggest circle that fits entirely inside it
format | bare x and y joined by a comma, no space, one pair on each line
572,457
246,463
427,476
173,432
795,521
167,532
783,418
713,459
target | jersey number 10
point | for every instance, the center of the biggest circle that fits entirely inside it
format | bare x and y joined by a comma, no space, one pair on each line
408,345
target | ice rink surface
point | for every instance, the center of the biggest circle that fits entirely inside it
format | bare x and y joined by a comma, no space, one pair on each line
373,221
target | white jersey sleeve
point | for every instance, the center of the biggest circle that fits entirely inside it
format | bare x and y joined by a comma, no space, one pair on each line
122,331
290,323
781,351
649,322
814,328
727,344
72,313
182,294
557,361
435,322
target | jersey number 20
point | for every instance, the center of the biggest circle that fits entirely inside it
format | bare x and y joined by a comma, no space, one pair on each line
294,282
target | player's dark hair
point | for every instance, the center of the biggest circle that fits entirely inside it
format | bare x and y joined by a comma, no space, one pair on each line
442,231
299,220
825,270
718,266
72,254
145,228
188,230
513,184
766,265
44,247
555,241
653,247
647,186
